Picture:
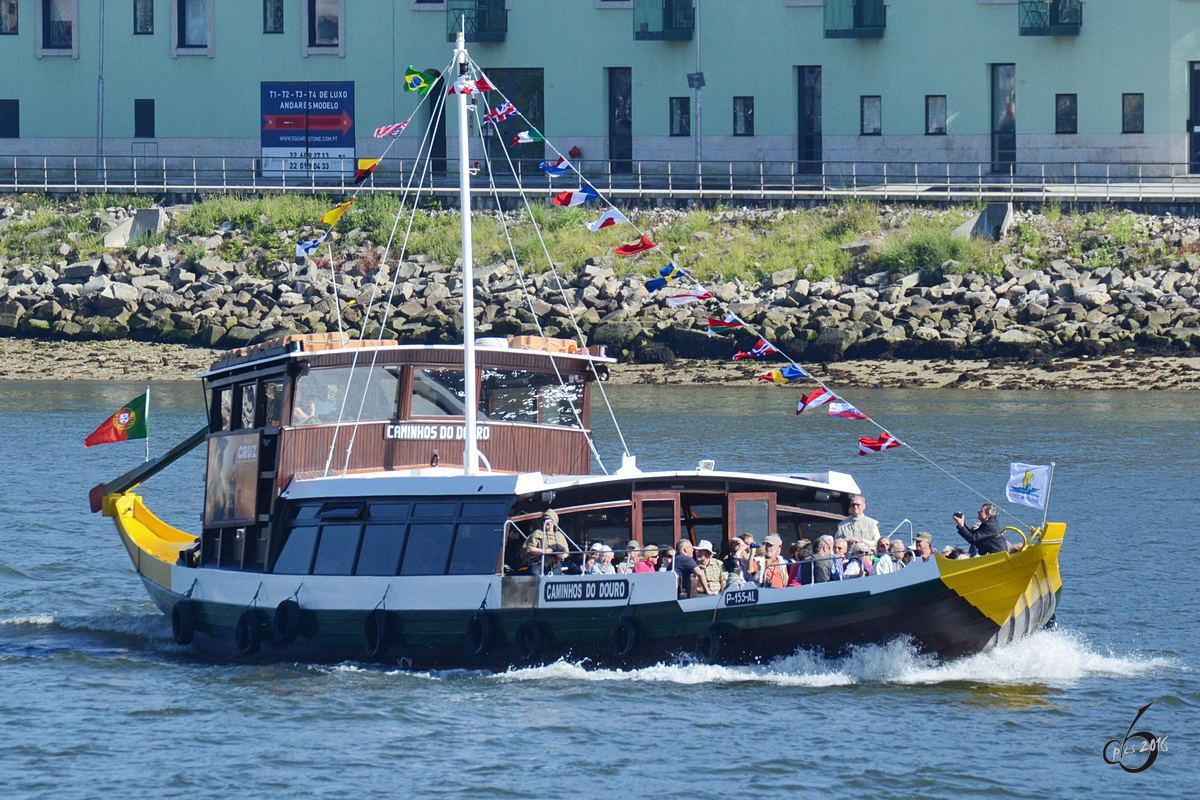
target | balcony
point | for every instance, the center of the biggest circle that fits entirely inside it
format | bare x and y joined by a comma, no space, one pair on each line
1050,17
663,20
480,20
855,19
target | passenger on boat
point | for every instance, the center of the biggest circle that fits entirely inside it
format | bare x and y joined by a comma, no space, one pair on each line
893,560
841,548
540,541
985,538
853,566
590,557
770,570
649,562
603,565
858,526
882,547
954,553
555,562
800,573
824,560
687,569
310,409
924,546
735,579
714,572
666,560
737,556
633,554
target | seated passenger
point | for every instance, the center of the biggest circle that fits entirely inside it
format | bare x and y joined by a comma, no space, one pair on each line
882,547
800,573
589,558
841,549
853,566
893,561
823,561
687,569
737,557
603,564
734,578
633,554
858,526
924,545
666,560
953,553
770,570
540,542
649,562
715,574
555,562
986,537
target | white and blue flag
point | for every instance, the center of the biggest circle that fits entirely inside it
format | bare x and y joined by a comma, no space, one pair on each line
306,249
1028,484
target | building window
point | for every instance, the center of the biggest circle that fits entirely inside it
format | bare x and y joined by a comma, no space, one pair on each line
323,22
871,115
8,17
143,16
935,115
1066,113
1133,113
272,16
143,119
58,24
743,116
193,23
10,119
681,116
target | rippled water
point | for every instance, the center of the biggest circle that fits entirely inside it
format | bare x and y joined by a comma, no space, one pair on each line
97,699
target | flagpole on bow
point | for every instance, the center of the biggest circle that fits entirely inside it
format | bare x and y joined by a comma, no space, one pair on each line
146,414
1046,505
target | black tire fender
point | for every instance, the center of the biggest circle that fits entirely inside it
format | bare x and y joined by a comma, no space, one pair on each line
377,636
286,622
529,640
183,622
623,638
479,632
708,644
248,634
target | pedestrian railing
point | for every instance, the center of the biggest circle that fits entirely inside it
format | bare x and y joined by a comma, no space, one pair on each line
1085,182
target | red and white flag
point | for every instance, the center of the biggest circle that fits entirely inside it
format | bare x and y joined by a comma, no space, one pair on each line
886,441
467,86
675,301
501,112
391,130
730,323
816,398
607,219
845,410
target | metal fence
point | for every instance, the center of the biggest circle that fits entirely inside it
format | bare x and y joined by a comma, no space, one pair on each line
642,180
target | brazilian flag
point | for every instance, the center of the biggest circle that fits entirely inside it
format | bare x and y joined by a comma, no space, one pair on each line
420,82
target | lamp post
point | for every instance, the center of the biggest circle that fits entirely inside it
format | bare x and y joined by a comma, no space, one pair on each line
699,90
100,96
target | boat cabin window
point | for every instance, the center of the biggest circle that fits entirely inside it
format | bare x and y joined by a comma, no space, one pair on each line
325,394
297,553
751,514
526,396
428,548
247,406
337,550
438,393
381,548
272,403
222,410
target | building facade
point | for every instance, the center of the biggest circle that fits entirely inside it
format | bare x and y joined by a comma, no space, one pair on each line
807,82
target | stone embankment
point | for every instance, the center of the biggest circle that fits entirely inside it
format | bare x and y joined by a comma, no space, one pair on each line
183,291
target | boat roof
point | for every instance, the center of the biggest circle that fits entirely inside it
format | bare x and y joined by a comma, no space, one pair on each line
438,481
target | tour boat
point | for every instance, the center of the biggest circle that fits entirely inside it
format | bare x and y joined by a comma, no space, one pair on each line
363,500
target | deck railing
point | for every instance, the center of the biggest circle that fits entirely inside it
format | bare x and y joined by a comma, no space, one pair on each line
647,180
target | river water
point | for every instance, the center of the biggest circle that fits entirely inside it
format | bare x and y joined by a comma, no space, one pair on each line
97,699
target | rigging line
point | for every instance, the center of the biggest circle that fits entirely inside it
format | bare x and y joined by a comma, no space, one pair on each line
557,278
529,297
439,108
434,116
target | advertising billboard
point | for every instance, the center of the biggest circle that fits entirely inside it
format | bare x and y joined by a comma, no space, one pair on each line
231,480
308,129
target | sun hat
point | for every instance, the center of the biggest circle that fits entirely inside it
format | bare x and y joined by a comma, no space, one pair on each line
705,544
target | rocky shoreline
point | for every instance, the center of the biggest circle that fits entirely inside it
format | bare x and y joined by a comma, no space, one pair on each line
1091,292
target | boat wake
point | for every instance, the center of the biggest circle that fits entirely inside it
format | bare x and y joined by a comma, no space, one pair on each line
1046,657
110,629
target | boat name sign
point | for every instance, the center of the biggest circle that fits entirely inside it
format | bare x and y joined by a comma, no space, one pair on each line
559,591
434,433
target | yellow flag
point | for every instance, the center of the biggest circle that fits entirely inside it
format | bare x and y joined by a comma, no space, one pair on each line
335,213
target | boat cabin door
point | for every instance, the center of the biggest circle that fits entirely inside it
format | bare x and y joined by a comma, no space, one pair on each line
662,518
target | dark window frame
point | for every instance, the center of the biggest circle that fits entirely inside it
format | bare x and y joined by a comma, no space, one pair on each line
1140,126
684,104
136,32
1066,122
747,102
266,19
862,115
10,129
929,131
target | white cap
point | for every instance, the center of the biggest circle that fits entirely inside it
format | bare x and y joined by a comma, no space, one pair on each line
605,548
597,546
705,544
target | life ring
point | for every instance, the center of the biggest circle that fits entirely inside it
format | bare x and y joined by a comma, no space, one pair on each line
286,622
377,634
529,639
479,632
183,622
708,643
248,634
623,637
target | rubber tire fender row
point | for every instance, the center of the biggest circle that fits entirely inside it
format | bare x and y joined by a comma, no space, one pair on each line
248,633
286,622
183,622
479,632
623,638
377,634
529,639
708,645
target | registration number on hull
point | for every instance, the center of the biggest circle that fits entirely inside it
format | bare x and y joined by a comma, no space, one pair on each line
741,597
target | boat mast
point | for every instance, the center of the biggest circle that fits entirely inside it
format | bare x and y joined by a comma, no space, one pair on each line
471,443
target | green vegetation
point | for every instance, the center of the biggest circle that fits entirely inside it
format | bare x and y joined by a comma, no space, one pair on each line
924,245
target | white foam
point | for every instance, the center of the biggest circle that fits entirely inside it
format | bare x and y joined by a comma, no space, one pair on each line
33,619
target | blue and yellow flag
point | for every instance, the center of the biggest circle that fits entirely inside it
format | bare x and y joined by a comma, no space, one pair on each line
667,274
419,82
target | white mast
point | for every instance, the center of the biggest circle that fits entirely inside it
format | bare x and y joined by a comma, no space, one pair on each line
471,448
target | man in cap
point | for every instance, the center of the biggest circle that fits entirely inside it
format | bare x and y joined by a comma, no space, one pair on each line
924,546
858,526
633,554
542,540
715,574
770,569
893,561
986,536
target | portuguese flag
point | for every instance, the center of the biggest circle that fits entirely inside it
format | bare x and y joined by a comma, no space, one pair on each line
128,423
